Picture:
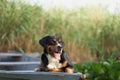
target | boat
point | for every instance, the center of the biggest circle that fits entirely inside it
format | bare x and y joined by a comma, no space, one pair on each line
19,66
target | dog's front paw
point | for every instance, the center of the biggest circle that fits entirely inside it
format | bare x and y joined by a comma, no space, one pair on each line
37,69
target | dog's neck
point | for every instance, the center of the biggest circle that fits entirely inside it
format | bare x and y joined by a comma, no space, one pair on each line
53,62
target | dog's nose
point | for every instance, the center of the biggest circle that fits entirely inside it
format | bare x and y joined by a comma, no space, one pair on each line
59,48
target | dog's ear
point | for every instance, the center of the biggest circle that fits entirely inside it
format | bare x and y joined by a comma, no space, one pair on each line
43,41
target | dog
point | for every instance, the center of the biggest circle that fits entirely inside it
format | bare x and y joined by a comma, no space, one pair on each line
54,58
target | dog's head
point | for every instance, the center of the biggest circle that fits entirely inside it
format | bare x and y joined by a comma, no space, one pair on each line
53,45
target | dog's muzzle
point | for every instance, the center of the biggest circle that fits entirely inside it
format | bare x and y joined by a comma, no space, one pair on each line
59,48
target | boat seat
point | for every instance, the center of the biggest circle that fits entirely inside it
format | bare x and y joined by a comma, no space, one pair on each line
17,61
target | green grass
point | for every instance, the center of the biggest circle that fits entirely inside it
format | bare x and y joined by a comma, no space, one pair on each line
88,32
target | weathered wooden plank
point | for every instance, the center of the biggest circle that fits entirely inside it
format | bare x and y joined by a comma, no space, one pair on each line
26,75
23,62
17,63
9,54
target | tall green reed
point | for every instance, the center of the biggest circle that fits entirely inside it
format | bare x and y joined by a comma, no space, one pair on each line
87,32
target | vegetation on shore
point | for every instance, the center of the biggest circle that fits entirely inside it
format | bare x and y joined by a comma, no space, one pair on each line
108,69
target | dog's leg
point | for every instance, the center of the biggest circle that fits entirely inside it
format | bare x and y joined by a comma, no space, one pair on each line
55,70
64,64
41,68
69,70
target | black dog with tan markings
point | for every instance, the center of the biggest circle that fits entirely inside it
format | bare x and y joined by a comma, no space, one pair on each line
54,58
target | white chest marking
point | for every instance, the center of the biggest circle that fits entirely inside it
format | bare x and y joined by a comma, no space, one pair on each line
53,63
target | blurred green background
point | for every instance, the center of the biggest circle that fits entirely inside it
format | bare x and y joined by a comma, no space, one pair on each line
90,33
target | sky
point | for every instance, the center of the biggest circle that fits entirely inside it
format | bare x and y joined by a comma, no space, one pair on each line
112,5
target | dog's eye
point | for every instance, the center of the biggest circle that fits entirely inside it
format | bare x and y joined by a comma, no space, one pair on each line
60,41
51,42
54,42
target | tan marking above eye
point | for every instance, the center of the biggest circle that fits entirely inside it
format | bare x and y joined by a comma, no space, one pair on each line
59,40
54,40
